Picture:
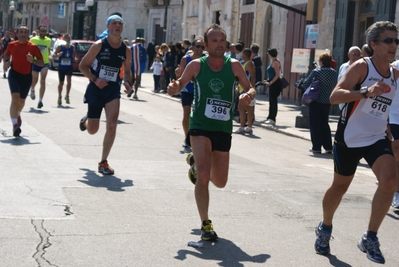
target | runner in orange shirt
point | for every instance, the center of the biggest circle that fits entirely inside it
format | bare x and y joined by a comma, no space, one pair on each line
20,55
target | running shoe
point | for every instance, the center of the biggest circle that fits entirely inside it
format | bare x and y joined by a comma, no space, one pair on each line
59,102
192,175
248,130
4,75
185,145
240,130
395,200
40,104
135,97
131,92
322,244
82,123
371,246
207,233
104,168
271,122
192,172
67,99
32,94
16,131
190,159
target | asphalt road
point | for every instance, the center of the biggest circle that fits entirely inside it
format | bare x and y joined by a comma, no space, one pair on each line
56,210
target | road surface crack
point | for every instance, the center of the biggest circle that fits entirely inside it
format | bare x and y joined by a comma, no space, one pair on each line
43,245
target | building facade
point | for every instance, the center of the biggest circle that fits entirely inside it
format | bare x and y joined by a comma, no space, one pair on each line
268,23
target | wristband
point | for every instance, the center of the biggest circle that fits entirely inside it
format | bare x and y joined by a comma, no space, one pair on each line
250,95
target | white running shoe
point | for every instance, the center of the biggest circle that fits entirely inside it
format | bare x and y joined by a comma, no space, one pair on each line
271,122
32,94
395,200
248,130
240,130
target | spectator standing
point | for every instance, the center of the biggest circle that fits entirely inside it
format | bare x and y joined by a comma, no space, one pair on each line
151,52
354,54
274,84
319,110
171,62
157,67
186,45
4,43
245,110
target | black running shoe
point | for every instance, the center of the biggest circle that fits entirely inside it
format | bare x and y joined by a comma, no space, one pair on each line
40,104
16,131
207,233
82,122
322,244
371,246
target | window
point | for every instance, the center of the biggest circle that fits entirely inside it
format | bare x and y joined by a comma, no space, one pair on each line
249,2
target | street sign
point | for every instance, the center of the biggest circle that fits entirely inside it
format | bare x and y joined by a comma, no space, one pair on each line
300,60
45,21
311,34
19,15
61,10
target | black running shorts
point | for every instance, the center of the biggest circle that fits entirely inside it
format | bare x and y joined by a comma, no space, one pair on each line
220,141
19,83
346,159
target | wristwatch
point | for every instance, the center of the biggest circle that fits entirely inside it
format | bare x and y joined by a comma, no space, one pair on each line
94,79
364,91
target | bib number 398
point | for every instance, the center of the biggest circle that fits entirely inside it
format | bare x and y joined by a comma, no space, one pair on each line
108,73
217,109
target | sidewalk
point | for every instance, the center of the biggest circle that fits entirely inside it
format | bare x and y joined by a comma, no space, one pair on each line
286,117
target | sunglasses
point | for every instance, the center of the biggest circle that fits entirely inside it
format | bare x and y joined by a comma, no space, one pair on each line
389,40
200,46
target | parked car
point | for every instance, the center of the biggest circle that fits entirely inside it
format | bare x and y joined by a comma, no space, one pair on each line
81,48
54,44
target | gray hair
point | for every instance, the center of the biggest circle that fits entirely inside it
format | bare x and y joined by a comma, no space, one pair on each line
353,48
373,32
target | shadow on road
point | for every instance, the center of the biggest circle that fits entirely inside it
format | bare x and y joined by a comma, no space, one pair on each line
17,141
334,261
110,182
225,251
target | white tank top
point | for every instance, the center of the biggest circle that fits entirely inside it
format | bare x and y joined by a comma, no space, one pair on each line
394,111
364,122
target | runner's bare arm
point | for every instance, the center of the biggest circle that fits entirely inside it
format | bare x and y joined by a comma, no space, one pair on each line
190,72
88,59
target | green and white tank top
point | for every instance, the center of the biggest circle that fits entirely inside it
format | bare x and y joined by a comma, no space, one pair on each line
213,98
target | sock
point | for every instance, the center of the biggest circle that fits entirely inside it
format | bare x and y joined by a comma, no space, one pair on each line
371,234
32,89
40,99
326,227
14,121
19,113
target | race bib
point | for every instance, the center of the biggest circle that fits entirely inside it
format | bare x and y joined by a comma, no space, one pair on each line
217,109
65,61
109,73
377,107
42,48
